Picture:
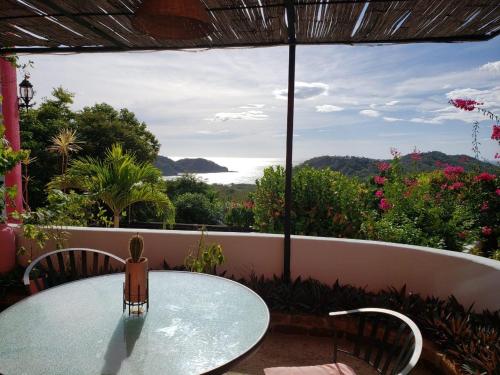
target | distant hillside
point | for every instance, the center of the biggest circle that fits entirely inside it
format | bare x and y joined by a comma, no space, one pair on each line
365,167
170,167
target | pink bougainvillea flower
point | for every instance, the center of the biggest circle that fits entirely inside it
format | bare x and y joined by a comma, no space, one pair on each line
465,104
497,191
485,206
439,164
496,133
384,205
497,155
485,176
379,180
456,185
383,166
462,235
486,231
444,186
410,182
379,193
452,172
416,155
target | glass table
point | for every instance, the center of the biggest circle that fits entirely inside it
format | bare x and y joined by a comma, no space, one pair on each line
196,324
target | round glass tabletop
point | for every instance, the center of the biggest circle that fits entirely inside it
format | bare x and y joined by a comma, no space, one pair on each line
196,324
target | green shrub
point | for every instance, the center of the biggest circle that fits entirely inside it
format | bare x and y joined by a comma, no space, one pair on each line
324,203
196,208
240,215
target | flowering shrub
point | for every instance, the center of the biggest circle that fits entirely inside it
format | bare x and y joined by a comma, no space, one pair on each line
447,209
325,203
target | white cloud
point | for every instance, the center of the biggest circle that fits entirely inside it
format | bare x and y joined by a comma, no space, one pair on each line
370,113
373,106
392,102
247,115
304,90
425,121
253,106
491,67
328,108
392,119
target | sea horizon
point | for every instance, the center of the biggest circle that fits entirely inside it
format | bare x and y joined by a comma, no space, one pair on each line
242,170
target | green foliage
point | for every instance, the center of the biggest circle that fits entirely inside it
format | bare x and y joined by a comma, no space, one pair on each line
240,215
62,209
189,183
325,203
207,257
118,181
196,208
101,125
136,247
98,127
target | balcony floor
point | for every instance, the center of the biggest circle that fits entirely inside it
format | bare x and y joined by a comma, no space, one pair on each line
279,349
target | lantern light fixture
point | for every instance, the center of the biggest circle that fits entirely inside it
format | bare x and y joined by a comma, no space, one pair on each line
26,93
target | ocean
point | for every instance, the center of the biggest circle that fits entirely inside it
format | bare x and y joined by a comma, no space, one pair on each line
243,170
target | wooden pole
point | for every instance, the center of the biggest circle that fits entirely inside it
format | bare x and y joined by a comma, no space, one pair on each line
289,141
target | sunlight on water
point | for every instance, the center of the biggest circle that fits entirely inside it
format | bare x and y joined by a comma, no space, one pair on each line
243,170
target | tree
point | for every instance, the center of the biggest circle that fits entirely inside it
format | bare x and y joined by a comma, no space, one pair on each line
101,125
98,127
64,143
118,181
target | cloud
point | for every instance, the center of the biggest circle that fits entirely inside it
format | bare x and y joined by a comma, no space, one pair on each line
304,90
328,108
420,120
253,106
370,113
491,67
246,115
392,102
393,119
373,106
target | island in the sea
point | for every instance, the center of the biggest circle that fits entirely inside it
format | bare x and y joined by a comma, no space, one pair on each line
171,167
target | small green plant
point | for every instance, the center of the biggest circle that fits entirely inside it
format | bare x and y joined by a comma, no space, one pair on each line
207,257
136,247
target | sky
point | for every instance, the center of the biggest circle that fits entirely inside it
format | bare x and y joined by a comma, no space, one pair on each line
350,100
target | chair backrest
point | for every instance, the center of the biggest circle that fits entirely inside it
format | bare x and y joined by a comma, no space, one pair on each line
60,266
387,340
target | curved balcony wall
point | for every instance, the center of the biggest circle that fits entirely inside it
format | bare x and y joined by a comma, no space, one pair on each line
374,265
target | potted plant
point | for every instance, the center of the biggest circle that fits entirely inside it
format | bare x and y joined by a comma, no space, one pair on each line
136,272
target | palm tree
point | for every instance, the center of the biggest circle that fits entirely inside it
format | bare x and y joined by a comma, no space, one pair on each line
118,181
64,143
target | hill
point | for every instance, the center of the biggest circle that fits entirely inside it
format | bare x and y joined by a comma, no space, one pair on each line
170,167
366,167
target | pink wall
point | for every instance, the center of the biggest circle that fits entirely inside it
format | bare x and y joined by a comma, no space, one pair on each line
375,265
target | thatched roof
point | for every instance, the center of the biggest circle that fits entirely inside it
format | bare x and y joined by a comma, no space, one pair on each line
105,25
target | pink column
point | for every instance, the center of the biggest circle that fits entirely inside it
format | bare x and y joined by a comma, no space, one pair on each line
10,113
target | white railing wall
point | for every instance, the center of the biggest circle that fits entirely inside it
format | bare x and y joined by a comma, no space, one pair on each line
374,265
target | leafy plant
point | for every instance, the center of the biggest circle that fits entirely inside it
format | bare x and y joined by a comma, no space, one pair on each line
196,208
206,258
118,181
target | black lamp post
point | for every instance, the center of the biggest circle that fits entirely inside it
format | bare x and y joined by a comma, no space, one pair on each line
25,93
